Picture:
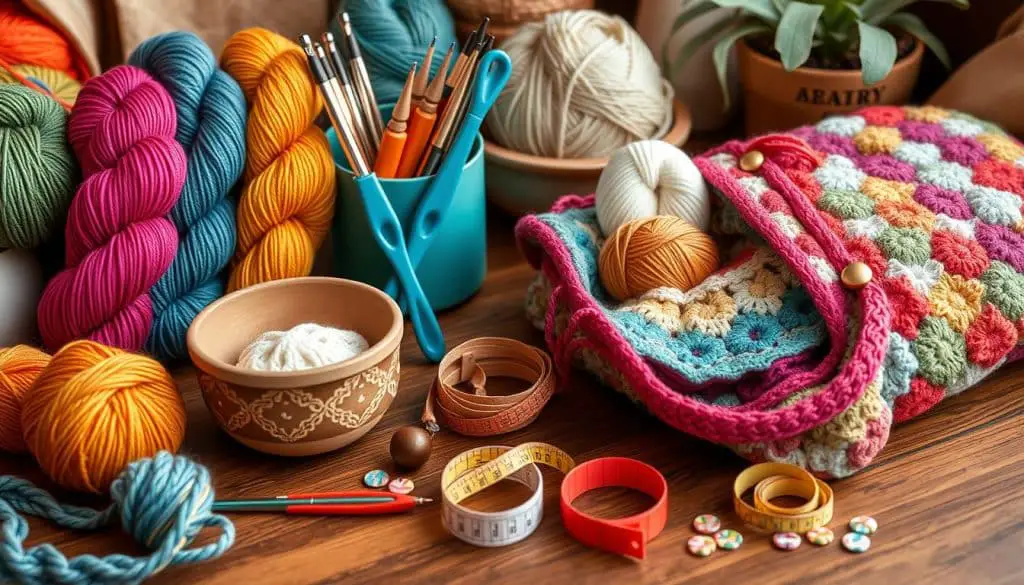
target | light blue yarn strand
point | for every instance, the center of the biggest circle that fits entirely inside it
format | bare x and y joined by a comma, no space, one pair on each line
392,34
211,129
163,502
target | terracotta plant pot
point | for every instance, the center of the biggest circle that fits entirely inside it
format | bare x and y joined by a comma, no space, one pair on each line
776,99
303,412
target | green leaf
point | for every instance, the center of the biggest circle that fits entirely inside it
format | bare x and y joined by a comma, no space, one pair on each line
915,26
855,9
686,52
720,54
795,33
698,9
877,52
875,11
763,9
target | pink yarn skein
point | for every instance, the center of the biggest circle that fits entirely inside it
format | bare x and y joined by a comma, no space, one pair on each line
118,241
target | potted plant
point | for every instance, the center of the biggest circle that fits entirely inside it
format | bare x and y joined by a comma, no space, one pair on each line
802,61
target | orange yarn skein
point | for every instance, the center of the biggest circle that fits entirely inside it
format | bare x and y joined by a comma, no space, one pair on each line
287,201
657,251
27,40
95,409
19,367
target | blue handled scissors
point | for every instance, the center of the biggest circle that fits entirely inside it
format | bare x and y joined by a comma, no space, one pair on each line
493,73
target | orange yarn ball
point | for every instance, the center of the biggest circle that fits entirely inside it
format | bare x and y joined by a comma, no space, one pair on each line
96,409
287,201
19,367
657,251
26,40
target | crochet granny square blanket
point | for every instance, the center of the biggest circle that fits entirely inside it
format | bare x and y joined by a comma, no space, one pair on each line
772,355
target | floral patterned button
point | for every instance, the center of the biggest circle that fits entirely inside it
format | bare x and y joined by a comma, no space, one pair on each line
401,486
707,524
376,478
856,542
820,536
863,524
786,540
701,545
728,539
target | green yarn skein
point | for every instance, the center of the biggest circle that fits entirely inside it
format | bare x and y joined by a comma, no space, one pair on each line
38,173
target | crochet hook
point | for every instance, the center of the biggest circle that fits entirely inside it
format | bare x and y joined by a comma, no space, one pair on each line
492,73
355,503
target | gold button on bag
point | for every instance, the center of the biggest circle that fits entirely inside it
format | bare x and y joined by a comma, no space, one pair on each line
752,161
856,275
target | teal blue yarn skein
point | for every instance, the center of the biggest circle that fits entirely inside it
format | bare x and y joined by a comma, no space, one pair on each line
394,33
211,128
38,173
163,502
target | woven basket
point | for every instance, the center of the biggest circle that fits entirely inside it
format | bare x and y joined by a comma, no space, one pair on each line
507,15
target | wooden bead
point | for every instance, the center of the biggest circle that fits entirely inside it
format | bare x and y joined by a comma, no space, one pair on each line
410,447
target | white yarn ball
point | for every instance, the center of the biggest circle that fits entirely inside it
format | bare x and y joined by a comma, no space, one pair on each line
583,84
649,178
302,347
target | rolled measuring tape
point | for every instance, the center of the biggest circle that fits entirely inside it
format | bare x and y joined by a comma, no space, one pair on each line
772,480
479,414
625,536
475,470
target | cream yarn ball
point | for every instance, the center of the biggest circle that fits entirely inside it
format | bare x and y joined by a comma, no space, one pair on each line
583,84
302,347
649,178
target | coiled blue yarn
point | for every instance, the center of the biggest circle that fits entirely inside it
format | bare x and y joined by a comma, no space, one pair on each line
211,129
163,502
393,34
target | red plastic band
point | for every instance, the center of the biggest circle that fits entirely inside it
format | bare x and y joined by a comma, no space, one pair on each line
625,536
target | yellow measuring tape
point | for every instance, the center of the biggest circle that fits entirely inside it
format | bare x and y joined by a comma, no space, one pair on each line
477,469
773,480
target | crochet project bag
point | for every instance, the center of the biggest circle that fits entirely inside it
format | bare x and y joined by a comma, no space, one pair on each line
773,355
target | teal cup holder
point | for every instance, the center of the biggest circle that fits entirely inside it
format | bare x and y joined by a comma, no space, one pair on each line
453,268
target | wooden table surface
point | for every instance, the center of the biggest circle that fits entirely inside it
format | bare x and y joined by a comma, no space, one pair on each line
947,491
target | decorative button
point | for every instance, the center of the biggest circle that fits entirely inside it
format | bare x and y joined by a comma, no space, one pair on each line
856,542
863,524
707,524
701,546
786,540
752,161
728,539
856,275
820,536
376,478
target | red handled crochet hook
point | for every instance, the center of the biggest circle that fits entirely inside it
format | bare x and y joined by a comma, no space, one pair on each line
354,503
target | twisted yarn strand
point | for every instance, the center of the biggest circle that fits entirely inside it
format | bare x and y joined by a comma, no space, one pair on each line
163,502
287,201
118,240
211,129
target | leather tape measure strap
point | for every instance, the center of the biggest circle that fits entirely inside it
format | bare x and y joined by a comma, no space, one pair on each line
477,469
772,480
625,536
479,414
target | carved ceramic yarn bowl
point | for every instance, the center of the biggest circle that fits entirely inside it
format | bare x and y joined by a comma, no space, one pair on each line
302,412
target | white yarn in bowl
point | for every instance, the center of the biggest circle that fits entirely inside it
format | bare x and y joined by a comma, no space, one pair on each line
302,347
583,84
649,178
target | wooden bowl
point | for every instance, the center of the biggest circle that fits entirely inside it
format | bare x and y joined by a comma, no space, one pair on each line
522,183
304,412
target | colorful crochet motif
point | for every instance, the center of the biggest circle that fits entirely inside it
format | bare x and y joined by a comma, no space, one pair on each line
740,320
930,199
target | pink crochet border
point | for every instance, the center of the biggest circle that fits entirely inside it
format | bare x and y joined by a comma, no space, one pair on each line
753,422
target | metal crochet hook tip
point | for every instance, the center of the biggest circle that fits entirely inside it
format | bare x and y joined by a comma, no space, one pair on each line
424,501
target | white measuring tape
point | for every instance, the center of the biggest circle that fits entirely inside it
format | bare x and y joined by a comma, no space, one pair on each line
477,469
